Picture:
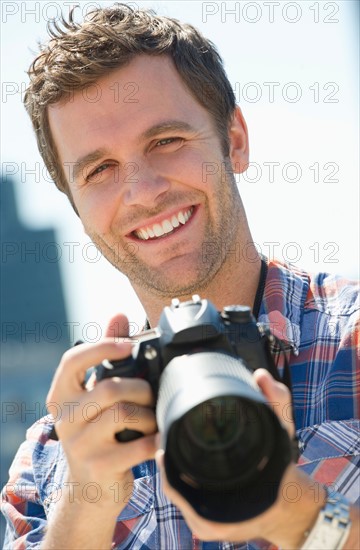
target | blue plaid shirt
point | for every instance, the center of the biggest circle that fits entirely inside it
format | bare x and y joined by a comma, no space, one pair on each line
317,320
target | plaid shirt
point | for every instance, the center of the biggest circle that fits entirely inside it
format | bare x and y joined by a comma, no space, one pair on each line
316,317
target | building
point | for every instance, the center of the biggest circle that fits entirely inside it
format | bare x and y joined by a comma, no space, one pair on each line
34,330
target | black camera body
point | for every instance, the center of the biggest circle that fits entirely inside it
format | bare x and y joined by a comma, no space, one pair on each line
188,327
225,449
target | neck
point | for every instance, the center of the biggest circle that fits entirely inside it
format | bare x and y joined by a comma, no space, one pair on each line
235,283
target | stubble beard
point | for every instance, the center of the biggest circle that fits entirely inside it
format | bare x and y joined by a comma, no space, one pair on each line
220,234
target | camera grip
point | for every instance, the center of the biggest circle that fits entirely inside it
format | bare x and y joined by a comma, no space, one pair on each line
128,435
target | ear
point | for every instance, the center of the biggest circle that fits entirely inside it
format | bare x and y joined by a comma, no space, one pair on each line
239,142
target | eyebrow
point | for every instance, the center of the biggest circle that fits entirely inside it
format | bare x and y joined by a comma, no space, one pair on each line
80,164
161,128
167,126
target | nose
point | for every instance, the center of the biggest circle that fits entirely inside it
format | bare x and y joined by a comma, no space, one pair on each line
143,185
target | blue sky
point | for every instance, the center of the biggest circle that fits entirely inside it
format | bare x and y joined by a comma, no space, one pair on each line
294,68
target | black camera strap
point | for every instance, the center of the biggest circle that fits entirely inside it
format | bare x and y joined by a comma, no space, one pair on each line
260,289
286,378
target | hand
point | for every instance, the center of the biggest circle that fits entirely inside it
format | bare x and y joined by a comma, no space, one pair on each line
90,419
285,522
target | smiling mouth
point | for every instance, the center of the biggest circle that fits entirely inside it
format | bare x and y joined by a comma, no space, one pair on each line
166,227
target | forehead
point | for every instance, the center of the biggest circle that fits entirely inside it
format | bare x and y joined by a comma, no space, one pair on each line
126,102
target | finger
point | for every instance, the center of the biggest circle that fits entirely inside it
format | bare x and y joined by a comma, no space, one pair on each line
117,326
111,390
132,453
119,417
98,430
106,394
117,329
101,455
269,386
69,377
278,396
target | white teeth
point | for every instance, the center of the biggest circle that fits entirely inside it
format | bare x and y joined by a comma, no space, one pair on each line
181,218
158,230
175,221
167,226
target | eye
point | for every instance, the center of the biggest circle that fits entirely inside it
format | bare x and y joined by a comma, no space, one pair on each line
168,141
99,170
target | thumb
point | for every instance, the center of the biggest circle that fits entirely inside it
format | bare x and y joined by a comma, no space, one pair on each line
118,326
278,396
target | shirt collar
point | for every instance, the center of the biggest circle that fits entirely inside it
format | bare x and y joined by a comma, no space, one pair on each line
283,302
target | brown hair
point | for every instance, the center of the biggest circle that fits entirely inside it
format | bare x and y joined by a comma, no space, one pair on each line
79,54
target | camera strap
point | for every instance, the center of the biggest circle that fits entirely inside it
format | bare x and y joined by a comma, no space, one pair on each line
261,287
286,376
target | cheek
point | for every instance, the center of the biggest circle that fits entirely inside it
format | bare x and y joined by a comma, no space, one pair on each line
97,209
188,166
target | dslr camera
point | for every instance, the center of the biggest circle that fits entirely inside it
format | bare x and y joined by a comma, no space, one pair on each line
225,449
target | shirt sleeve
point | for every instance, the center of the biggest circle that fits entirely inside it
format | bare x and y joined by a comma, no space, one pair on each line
330,449
20,502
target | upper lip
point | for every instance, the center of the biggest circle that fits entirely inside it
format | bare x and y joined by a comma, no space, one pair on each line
159,219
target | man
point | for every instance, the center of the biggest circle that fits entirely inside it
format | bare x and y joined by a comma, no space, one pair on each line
134,172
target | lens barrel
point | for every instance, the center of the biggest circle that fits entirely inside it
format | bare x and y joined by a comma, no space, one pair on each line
225,450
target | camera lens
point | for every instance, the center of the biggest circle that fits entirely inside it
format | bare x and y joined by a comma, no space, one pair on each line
226,438
213,425
225,450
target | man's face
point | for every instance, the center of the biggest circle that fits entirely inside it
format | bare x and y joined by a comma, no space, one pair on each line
146,172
